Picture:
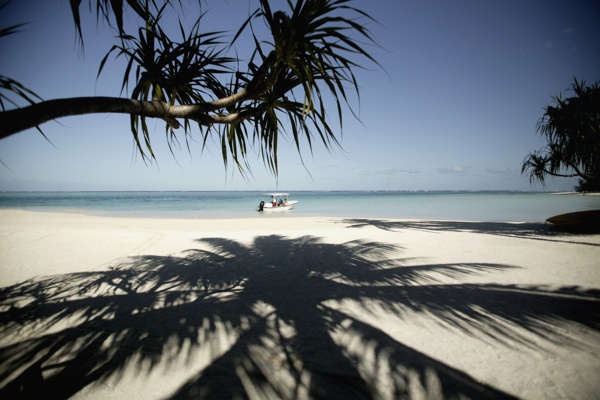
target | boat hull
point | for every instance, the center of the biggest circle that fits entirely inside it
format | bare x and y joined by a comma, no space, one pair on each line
578,222
268,207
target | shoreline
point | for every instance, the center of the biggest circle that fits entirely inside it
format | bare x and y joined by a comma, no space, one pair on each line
577,193
472,308
488,206
288,215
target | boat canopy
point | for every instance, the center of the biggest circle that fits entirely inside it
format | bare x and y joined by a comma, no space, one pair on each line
275,194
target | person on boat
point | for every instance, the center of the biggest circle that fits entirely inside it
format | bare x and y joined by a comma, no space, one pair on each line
280,202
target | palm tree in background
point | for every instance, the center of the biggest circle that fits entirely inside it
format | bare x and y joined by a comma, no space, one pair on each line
571,128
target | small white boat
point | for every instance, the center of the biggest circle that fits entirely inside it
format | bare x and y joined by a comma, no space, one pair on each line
276,202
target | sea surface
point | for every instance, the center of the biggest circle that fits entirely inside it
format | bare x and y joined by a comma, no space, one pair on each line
442,205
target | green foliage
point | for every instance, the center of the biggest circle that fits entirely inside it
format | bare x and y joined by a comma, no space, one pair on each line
309,59
572,131
167,71
287,86
301,69
8,85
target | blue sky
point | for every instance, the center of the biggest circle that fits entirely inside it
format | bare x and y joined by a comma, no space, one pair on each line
455,108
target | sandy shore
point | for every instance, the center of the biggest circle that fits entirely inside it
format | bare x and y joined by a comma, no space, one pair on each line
100,307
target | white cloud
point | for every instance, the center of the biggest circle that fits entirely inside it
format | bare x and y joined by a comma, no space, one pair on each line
456,170
503,171
400,171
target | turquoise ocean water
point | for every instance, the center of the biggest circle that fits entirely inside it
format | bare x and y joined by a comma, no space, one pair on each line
474,206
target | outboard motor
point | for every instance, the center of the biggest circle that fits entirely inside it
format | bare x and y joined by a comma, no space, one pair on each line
261,206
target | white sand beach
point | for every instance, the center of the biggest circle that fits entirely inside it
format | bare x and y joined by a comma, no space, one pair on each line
294,307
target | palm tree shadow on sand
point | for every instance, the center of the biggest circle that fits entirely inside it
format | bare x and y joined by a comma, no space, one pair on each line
264,318
526,230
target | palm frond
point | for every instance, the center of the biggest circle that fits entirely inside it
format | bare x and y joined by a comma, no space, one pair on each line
14,87
312,53
571,127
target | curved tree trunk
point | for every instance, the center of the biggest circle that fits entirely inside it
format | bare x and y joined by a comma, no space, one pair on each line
17,120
